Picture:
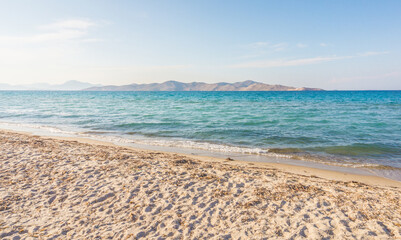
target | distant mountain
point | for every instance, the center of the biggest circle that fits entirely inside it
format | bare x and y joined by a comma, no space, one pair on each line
72,85
200,86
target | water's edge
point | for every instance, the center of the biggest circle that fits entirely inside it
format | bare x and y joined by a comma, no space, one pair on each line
241,154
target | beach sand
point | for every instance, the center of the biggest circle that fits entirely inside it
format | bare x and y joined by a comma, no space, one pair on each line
81,189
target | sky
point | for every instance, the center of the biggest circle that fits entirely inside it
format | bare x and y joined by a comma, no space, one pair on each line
342,45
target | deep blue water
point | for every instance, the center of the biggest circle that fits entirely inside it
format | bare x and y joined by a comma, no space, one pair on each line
341,126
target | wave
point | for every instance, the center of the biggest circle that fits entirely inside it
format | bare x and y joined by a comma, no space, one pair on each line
361,150
288,153
29,127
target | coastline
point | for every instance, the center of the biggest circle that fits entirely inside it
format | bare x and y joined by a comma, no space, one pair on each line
290,168
58,187
321,169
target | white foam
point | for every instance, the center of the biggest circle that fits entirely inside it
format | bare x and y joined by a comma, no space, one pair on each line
34,128
202,146
187,144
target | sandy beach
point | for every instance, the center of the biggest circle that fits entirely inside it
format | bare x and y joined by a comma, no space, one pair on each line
52,188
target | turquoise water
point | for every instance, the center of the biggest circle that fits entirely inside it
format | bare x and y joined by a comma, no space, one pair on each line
345,127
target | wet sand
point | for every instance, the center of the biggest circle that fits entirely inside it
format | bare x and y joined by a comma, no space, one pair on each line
59,188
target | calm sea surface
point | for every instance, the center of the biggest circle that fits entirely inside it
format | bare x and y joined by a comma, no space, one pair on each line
345,127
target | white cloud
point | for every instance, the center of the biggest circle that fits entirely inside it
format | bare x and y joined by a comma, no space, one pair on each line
371,77
267,45
58,31
258,44
91,40
365,54
69,24
323,44
299,62
301,45
56,43
279,46
143,68
284,63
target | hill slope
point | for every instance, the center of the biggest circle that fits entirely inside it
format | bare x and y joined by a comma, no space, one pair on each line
200,86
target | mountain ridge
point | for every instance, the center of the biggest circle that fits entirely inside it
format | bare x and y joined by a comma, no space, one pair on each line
171,85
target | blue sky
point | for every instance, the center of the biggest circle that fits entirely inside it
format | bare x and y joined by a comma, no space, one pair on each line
326,44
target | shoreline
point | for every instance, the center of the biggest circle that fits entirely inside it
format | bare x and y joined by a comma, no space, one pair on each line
331,172
76,188
308,171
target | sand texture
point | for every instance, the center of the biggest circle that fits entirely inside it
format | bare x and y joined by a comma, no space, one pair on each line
59,189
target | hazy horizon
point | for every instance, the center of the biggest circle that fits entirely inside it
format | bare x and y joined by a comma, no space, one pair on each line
73,85
330,45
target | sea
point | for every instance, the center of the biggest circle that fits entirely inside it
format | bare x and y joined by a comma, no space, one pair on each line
354,129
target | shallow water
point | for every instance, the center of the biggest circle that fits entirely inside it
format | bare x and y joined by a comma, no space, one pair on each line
350,128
